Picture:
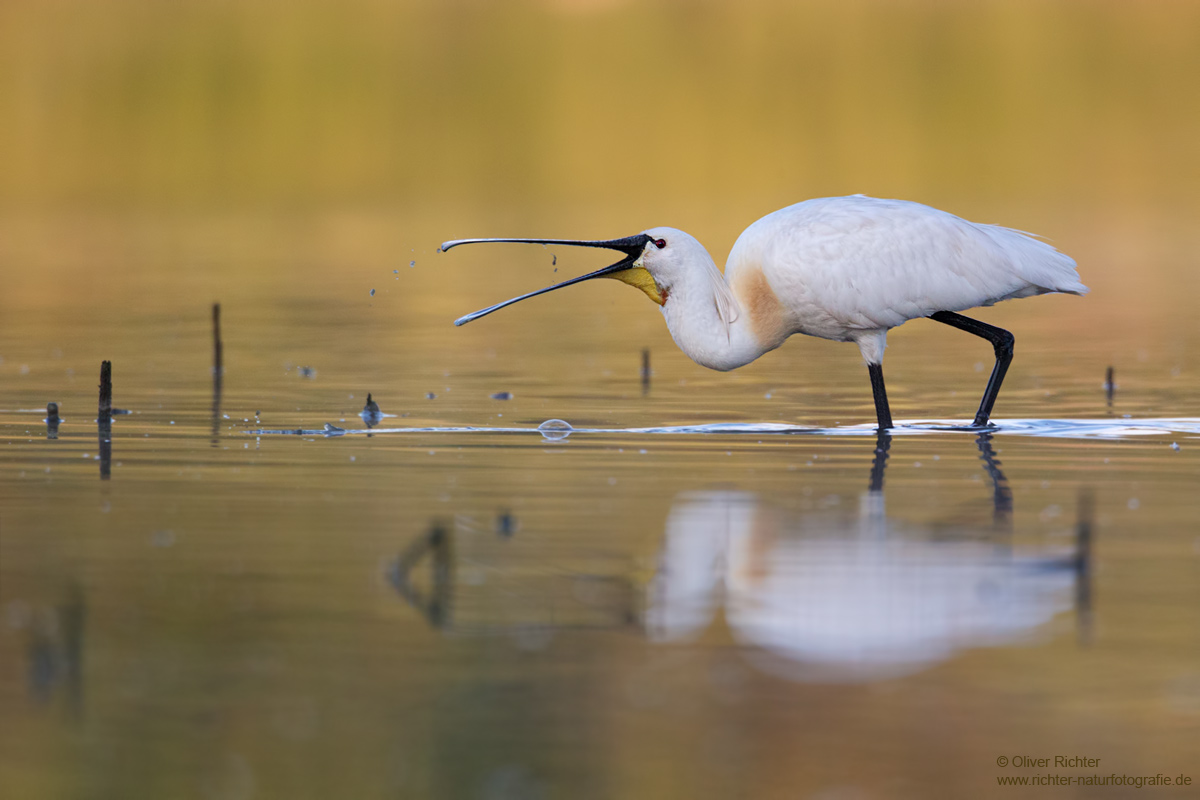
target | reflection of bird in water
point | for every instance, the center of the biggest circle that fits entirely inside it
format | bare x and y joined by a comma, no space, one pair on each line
831,599
843,268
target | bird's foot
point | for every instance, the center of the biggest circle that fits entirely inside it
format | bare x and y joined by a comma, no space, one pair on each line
987,427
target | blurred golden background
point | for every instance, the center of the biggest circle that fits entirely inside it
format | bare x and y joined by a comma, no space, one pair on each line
130,104
226,149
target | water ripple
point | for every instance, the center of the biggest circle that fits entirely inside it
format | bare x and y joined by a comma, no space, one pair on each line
1045,428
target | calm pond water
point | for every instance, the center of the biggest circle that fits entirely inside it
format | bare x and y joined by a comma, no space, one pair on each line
783,607
717,585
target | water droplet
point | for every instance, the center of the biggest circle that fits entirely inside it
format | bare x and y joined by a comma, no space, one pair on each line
502,395
412,264
372,293
555,429
1174,445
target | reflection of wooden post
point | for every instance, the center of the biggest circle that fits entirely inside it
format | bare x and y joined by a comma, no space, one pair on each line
218,371
1083,567
104,420
435,608
52,420
56,653
1109,387
73,618
646,371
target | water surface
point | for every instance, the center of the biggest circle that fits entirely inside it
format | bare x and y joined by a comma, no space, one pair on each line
718,585
767,598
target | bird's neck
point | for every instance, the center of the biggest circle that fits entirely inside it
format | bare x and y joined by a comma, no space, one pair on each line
696,326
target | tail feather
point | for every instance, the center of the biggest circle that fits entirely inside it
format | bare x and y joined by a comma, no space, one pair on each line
1037,262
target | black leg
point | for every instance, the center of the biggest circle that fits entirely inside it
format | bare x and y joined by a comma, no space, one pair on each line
882,412
1002,343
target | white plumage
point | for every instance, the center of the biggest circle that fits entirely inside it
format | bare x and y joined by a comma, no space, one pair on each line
852,264
842,268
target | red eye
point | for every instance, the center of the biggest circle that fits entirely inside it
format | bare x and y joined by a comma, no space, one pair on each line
660,243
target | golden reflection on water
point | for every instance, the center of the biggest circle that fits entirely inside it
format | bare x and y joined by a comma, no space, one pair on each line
829,597
234,616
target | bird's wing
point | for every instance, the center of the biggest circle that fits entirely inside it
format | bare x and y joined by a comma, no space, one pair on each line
866,264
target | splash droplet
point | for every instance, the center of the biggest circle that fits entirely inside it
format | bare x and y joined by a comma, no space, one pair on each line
555,430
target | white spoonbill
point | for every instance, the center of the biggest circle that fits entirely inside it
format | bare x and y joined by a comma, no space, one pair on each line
843,268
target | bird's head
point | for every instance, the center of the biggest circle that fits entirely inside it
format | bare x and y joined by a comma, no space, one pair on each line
653,261
669,258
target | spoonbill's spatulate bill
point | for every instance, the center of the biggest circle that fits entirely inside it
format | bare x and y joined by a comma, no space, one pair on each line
843,268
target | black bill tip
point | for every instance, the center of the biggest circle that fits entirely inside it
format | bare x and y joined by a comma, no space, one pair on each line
631,246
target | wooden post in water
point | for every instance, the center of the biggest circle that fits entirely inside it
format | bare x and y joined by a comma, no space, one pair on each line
646,371
104,420
105,411
218,348
218,371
